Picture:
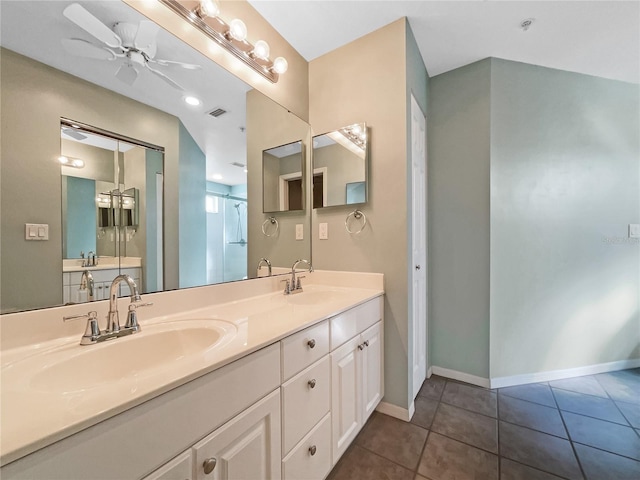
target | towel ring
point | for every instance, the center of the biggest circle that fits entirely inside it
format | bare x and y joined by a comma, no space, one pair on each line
357,214
272,221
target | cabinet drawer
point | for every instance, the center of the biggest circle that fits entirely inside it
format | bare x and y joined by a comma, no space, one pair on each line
352,322
300,464
303,348
306,398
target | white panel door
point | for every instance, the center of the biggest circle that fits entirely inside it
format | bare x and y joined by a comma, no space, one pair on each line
419,245
180,468
346,400
371,369
246,447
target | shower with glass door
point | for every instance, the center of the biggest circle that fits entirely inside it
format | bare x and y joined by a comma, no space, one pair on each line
226,238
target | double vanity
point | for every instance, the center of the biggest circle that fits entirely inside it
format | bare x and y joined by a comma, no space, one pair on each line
227,381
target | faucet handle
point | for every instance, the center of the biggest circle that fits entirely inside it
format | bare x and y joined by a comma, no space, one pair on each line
287,286
132,316
92,332
298,284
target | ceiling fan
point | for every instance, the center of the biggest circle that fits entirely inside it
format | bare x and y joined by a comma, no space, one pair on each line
135,44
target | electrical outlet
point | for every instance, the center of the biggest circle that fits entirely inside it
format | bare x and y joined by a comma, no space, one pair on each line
634,230
323,231
299,231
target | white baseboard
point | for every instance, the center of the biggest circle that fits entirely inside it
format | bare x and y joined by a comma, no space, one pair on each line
461,376
429,372
551,375
396,411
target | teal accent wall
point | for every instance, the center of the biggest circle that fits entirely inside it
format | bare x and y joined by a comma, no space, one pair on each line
80,216
191,211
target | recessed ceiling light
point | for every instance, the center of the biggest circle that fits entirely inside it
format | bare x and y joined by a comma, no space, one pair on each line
193,101
217,176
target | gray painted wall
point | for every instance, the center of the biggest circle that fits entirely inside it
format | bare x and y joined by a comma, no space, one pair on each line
459,154
192,214
534,178
80,229
565,184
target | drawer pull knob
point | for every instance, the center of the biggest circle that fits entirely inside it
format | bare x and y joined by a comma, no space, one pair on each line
361,346
366,343
312,383
311,343
209,465
312,450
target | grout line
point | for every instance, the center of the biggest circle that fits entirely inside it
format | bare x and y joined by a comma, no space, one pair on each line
573,447
530,401
607,451
533,468
424,449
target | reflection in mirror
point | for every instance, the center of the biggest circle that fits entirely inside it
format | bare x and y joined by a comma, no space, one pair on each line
282,177
111,209
340,163
66,72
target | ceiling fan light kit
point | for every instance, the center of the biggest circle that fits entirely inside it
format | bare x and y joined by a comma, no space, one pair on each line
232,36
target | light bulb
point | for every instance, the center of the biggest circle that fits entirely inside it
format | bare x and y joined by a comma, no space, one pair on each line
208,8
238,30
356,129
192,101
78,163
63,160
261,50
280,65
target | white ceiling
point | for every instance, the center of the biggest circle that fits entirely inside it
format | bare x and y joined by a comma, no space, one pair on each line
600,38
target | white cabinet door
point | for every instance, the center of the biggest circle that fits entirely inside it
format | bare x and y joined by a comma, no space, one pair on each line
180,468
345,396
372,385
246,447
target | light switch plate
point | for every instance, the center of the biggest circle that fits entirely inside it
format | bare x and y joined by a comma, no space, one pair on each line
299,231
323,231
634,230
36,231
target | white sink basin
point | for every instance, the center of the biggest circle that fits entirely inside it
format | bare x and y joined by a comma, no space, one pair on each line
75,368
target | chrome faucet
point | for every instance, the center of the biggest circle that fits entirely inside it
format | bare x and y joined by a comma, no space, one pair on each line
93,334
86,282
266,262
113,322
296,286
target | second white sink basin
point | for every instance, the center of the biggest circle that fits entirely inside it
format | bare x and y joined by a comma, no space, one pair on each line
75,368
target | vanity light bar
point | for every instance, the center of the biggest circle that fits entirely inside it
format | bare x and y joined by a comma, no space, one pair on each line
225,35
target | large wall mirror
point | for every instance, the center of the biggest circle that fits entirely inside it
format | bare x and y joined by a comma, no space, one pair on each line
174,204
340,166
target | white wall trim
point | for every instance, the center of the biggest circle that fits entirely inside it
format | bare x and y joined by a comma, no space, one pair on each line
550,375
461,376
429,372
396,411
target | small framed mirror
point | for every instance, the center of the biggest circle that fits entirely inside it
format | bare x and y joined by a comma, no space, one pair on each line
283,178
340,167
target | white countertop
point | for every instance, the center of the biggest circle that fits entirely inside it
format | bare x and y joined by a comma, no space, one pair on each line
33,418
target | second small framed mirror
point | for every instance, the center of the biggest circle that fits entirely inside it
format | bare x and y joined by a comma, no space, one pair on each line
283,179
340,167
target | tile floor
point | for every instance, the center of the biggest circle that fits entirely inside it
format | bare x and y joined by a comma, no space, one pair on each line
583,427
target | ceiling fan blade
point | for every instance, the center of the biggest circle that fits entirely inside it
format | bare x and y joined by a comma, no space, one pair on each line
165,78
90,24
170,63
127,73
82,48
146,35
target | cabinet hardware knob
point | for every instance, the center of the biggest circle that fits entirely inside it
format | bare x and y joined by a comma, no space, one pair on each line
311,343
312,383
366,343
209,465
312,450
361,346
